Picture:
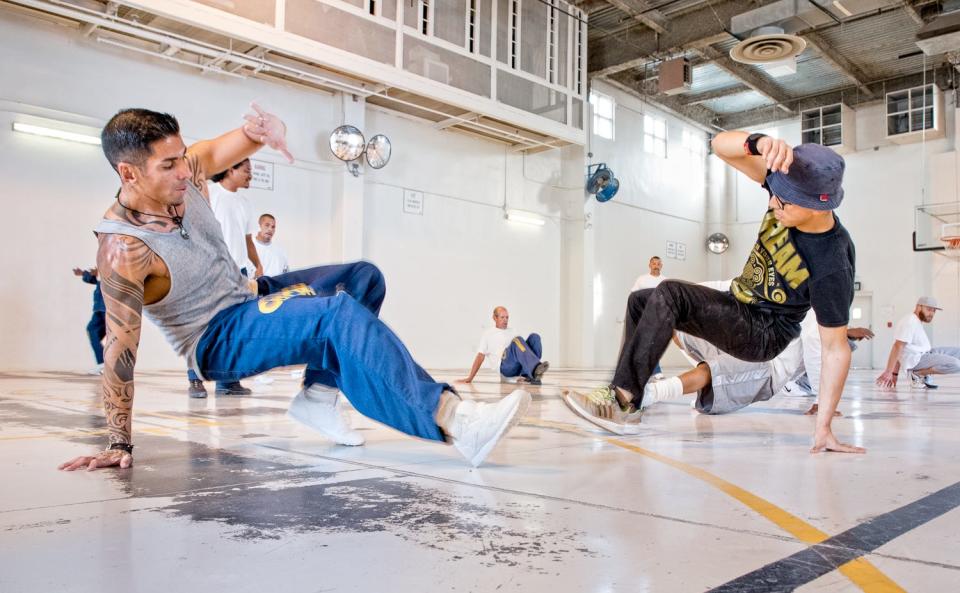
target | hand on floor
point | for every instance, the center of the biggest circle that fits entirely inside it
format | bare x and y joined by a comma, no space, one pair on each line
815,408
108,458
825,441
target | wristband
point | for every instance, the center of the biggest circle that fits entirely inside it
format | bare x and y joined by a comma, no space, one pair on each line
750,145
121,447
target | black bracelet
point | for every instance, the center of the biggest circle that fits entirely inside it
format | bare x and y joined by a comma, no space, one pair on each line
750,146
895,374
121,447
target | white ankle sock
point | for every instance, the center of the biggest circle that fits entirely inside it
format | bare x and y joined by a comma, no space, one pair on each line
321,394
447,411
661,391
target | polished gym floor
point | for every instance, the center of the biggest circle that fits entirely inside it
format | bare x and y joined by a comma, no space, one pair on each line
227,494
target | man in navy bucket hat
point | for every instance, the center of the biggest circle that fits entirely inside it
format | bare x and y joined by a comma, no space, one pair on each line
803,258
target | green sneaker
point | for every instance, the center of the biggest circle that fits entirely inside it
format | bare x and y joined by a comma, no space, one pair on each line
600,407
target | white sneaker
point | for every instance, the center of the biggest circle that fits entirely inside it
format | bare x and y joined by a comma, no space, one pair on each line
917,382
323,412
97,370
478,427
658,377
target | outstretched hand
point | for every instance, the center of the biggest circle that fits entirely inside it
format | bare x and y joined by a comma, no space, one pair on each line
777,154
267,128
825,441
108,458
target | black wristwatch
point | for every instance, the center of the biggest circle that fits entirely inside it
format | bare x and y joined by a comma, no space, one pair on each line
121,447
750,146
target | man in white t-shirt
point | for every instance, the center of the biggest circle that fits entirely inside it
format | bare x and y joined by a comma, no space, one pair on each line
508,353
911,350
236,224
233,212
653,279
809,382
273,258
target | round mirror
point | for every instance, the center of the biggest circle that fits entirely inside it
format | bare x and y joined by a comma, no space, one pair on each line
718,243
378,151
347,143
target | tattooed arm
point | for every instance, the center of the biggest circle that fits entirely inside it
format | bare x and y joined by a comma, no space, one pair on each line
125,263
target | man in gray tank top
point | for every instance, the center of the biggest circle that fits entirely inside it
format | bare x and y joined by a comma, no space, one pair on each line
162,255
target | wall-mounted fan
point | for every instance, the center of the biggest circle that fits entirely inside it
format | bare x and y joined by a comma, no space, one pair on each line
601,182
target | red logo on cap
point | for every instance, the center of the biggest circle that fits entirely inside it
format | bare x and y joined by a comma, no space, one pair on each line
824,198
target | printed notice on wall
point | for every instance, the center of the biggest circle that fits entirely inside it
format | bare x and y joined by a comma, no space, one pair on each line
671,249
413,202
262,175
681,251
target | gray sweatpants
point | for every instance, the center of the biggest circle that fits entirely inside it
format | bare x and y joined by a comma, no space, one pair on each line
735,383
943,361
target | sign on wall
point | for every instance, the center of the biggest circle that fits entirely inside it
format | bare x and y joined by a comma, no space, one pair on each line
413,202
681,251
671,249
262,175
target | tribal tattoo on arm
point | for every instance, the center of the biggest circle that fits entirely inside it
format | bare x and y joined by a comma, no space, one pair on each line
125,263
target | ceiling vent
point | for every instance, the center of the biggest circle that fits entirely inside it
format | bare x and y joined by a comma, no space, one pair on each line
768,45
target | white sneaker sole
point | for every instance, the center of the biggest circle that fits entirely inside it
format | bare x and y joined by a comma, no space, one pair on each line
523,401
293,414
605,424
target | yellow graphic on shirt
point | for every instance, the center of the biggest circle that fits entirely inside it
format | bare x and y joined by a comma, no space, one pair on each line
773,257
272,302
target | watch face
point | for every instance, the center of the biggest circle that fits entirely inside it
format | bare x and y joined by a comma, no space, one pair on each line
378,151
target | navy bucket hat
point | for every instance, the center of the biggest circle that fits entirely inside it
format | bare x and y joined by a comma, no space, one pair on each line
814,180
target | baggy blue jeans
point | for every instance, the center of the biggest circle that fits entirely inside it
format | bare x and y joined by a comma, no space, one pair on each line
339,339
96,330
522,356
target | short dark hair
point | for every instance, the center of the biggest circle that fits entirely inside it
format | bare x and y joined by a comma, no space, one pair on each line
128,135
266,215
222,174
654,257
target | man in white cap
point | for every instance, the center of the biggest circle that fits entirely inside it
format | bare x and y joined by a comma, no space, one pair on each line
911,350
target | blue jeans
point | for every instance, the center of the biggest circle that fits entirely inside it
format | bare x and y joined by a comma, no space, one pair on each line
96,329
339,338
522,356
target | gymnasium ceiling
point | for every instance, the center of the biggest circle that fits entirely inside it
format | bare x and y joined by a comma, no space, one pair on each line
851,58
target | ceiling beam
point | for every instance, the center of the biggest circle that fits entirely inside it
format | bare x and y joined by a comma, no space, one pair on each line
911,11
849,96
639,45
750,76
691,99
640,10
848,68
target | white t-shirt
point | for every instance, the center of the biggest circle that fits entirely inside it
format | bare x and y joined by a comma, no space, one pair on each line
234,214
492,344
272,257
647,281
910,330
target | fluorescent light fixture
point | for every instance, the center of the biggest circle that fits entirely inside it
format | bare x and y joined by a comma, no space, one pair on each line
525,218
54,133
842,8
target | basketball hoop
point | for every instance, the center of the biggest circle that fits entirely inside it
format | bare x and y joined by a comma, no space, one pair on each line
950,235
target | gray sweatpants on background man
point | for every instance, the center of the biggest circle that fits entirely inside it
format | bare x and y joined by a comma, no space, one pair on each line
737,383
943,361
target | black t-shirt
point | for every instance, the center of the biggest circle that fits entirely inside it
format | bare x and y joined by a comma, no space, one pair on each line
790,271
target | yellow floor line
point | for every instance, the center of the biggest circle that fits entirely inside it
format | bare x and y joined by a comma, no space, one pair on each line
860,571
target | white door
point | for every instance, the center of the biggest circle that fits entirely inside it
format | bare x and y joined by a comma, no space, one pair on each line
861,315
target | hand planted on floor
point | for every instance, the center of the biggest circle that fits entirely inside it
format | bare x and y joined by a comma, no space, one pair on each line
108,458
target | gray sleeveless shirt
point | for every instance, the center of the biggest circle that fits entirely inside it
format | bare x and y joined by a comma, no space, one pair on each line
204,279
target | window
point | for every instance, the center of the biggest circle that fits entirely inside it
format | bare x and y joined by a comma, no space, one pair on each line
514,27
694,143
603,114
553,27
579,46
473,34
425,16
655,136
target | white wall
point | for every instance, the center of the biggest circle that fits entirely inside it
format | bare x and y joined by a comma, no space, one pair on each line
445,270
55,191
659,200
